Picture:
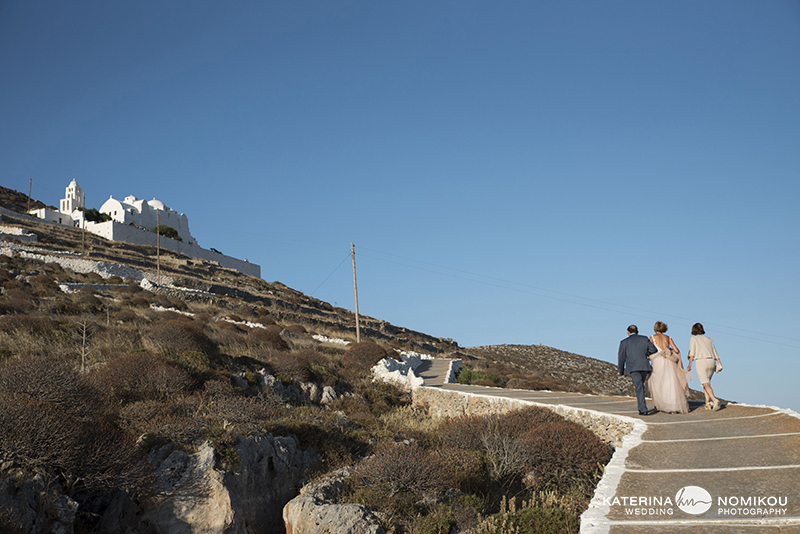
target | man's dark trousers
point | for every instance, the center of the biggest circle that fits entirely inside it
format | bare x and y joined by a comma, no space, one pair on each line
639,378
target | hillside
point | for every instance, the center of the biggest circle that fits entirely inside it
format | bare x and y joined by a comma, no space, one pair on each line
243,388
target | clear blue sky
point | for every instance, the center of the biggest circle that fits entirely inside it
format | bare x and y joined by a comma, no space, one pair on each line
512,172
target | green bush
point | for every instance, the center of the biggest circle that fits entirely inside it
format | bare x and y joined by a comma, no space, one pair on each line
93,215
469,376
167,231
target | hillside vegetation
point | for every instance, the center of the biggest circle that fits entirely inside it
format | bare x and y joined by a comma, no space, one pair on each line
94,380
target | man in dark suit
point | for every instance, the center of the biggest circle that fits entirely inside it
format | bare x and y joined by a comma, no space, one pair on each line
633,360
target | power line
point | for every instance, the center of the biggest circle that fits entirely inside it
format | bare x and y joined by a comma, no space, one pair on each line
602,305
326,278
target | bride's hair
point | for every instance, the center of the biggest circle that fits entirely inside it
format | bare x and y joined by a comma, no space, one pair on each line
660,327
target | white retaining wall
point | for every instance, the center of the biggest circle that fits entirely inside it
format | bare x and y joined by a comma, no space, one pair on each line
131,234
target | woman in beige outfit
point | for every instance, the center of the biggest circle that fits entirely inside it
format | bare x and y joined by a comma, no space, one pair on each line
702,351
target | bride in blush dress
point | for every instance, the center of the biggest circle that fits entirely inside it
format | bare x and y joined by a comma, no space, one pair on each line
668,386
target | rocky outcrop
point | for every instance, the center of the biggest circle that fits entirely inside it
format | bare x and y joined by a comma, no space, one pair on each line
270,473
194,496
297,392
35,506
312,512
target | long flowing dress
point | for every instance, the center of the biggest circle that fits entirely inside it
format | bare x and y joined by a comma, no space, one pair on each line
668,386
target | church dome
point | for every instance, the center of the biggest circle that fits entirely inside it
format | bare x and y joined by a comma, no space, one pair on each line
157,204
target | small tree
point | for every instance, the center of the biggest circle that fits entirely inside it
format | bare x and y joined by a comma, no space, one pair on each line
167,231
92,215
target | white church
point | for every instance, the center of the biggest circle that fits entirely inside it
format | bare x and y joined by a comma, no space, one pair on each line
133,221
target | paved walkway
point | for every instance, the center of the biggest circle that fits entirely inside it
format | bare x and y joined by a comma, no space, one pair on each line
743,460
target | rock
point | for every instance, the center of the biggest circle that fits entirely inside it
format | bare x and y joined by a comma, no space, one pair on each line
313,512
269,475
194,497
36,505
306,515
240,381
312,392
328,395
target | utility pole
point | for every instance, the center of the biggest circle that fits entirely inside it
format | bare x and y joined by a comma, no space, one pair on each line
30,188
355,290
158,247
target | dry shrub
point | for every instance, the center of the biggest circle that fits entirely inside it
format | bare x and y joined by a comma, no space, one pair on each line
17,301
541,383
45,437
38,434
49,381
217,388
88,302
383,397
408,469
167,315
43,285
228,334
141,376
18,292
24,344
141,302
353,406
410,421
500,437
295,366
65,305
361,357
241,410
94,278
125,316
178,304
562,453
463,432
467,467
112,460
267,338
160,420
113,341
14,306
296,329
265,318
176,337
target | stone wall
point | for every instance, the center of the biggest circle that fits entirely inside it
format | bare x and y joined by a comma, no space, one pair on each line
445,403
130,234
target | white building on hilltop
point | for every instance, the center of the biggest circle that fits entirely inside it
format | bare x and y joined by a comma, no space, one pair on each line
69,213
147,214
73,199
133,221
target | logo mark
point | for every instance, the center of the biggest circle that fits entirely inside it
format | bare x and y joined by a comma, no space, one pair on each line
693,500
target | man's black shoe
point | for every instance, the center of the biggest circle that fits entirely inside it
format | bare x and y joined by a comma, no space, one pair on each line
649,412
